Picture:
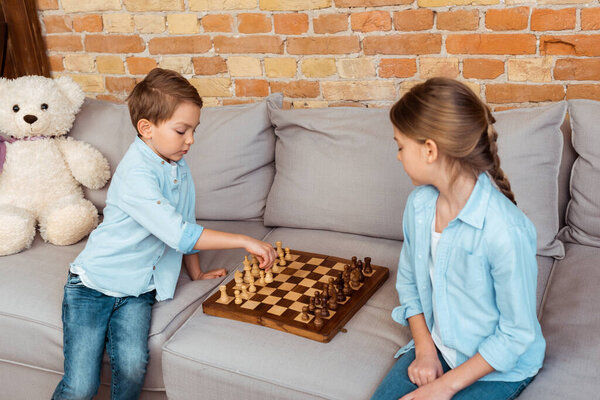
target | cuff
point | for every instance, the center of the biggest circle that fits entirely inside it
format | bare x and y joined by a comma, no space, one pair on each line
496,355
401,314
190,236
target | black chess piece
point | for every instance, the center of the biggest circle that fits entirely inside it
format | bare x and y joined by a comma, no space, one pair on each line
311,305
317,298
368,269
324,311
332,304
318,321
361,276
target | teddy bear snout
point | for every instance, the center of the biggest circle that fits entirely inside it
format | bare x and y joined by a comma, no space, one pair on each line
30,119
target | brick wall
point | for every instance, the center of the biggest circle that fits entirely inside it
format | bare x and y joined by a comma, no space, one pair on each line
330,52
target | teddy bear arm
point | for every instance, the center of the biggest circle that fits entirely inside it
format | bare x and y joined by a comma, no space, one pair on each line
88,166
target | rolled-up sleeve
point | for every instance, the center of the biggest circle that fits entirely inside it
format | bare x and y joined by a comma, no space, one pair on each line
514,272
410,303
143,201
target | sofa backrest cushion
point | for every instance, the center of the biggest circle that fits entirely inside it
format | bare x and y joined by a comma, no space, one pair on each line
231,160
336,169
583,210
530,145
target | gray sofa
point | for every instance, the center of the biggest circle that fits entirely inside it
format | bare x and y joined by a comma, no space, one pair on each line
323,181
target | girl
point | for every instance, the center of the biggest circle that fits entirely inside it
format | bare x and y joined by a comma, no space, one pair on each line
467,273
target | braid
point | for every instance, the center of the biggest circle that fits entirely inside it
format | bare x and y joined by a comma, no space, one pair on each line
495,171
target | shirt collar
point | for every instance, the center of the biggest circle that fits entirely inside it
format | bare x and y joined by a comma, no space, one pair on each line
473,213
147,151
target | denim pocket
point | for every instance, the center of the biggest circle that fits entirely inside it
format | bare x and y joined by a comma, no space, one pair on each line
73,280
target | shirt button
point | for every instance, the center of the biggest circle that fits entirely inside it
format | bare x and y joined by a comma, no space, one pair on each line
162,162
153,268
158,202
175,181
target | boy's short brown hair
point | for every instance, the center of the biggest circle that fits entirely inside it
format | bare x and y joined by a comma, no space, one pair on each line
157,96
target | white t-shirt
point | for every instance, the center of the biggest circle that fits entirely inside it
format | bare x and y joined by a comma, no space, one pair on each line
448,353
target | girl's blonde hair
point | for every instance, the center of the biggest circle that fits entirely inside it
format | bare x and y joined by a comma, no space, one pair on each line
449,113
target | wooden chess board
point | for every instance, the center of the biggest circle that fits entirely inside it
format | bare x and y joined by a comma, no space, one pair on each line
278,304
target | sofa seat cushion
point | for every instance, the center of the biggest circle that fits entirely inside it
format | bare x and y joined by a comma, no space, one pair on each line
570,323
31,293
225,359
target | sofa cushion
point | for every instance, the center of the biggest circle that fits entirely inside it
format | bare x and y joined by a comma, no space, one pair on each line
232,160
530,145
225,359
583,211
570,324
31,292
337,170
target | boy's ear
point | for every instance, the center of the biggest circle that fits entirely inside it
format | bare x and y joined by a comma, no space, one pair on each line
144,128
431,151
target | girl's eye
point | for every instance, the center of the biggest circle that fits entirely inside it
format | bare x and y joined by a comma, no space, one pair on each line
399,148
16,108
181,133
44,106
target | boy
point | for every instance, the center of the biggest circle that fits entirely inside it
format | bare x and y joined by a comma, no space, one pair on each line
135,254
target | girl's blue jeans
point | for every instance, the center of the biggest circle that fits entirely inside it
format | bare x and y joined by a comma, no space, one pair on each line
396,384
92,320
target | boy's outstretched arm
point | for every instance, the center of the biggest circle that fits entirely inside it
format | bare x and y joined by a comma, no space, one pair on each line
217,240
192,266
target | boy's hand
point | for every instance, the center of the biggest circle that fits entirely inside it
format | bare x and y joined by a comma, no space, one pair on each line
215,273
425,369
264,252
435,390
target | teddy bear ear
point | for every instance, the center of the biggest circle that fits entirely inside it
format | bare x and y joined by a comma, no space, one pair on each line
71,91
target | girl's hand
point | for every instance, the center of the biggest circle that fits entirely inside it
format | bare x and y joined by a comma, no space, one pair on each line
436,390
215,273
264,252
425,369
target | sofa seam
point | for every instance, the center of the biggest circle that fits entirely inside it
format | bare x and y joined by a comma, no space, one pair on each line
19,317
547,289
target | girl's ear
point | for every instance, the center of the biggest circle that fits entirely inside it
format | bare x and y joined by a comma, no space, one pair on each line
430,150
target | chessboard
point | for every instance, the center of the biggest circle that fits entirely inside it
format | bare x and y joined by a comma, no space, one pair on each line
292,299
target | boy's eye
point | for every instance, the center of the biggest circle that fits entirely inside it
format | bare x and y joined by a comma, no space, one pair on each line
181,133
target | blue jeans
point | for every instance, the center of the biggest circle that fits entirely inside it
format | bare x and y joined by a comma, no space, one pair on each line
91,320
396,384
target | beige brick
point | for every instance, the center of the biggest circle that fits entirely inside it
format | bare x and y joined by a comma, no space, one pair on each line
474,86
182,23
110,65
149,23
219,5
562,2
212,87
210,102
445,3
79,62
318,67
70,6
359,90
89,83
153,5
431,66
293,5
183,65
310,104
530,69
280,67
355,68
118,23
244,66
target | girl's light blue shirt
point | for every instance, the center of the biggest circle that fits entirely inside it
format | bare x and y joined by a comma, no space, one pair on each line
485,280
149,223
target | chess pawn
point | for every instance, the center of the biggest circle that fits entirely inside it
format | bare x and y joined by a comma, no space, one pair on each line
288,255
238,277
332,304
224,297
354,279
347,289
305,316
324,298
354,259
255,270
361,277
261,280
318,321
341,297
368,269
238,297
324,311
252,288
281,258
311,305
245,294
269,276
317,298
275,268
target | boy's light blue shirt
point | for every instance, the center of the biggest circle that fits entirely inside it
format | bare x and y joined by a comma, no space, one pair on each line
485,280
149,223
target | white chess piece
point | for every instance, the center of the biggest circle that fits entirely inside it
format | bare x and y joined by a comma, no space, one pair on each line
278,244
269,276
247,273
238,297
252,288
224,297
261,280
245,294
238,277
288,256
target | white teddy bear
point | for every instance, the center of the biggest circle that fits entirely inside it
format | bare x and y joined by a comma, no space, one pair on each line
40,169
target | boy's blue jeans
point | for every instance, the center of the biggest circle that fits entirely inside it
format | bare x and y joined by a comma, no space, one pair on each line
397,384
92,320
